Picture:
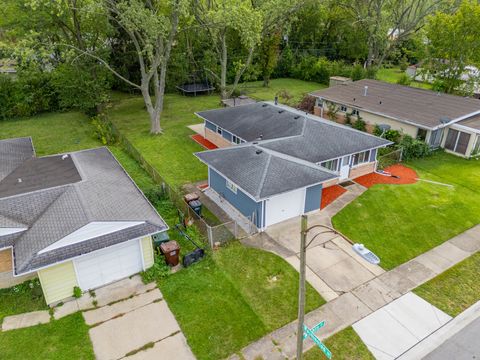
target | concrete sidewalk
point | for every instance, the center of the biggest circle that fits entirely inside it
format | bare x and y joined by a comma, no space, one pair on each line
363,300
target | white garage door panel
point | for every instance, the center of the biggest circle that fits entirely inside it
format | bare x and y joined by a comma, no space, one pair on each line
106,266
285,206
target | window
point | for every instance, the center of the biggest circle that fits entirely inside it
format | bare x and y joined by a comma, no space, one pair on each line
236,139
457,141
330,165
355,112
231,186
219,130
476,147
343,108
421,134
436,138
361,158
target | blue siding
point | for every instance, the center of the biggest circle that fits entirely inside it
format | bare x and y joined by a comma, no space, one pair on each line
240,200
227,135
210,126
313,198
373,155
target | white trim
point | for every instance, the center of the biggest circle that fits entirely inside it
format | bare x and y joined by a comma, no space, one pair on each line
76,275
140,244
79,256
11,230
465,128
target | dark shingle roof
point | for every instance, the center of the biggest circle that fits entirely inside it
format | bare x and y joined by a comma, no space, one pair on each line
323,140
106,193
420,107
13,152
39,173
262,173
249,122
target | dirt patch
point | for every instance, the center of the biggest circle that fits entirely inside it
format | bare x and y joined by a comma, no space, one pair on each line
403,175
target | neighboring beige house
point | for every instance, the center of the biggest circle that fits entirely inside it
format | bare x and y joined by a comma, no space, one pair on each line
441,120
74,219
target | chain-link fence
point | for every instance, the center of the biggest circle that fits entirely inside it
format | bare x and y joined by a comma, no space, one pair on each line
389,159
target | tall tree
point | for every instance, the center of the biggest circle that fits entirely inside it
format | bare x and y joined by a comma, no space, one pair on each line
454,44
388,22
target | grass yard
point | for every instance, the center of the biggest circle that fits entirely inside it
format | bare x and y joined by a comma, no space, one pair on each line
399,222
344,345
21,298
233,298
456,289
172,152
392,75
66,338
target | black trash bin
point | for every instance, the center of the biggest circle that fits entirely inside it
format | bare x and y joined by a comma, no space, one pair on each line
160,238
196,206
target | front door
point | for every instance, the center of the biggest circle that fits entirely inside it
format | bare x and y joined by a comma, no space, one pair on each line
345,168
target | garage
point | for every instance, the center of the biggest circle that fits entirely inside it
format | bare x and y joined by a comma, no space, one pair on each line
108,265
284,206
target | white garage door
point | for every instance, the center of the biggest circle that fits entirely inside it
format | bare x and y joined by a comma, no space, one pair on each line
285,206
108,265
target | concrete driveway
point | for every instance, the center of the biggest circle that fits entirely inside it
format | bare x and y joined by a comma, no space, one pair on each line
138,327
330,258
398,326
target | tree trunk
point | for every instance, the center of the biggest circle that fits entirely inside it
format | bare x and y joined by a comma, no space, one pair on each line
223,64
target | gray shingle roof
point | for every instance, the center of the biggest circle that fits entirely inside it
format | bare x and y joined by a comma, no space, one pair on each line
323,140
262,174
249,122
420,107
13,152
105,193
472,122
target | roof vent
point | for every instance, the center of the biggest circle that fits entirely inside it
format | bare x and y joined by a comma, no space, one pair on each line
353,99
264,105
255,143
380,102
365,90
296,117
258,152
64,156
281,111
19,180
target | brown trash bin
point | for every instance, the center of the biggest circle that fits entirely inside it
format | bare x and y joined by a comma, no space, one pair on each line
171,250
190,197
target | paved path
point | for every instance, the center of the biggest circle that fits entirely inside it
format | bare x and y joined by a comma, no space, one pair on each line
352,306
399,325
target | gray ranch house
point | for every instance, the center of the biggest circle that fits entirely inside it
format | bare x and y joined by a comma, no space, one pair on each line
74,220
274,161
441,120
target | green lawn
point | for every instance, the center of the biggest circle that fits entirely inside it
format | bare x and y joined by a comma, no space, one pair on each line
21,298
456,289
392,75
399,222
172,152
344,345
66,338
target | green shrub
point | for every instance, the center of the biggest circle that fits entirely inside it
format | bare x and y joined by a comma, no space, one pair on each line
360,124
157,271
413,148
103,131
404,79
390,135
403,63
77,292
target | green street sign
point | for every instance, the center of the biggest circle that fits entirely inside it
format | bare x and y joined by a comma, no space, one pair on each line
311,334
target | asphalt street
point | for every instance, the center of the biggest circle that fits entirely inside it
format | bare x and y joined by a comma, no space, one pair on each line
465,345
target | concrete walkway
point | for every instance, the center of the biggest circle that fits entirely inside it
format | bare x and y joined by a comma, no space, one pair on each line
354,305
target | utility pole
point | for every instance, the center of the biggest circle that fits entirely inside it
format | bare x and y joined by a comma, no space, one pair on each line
301,287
